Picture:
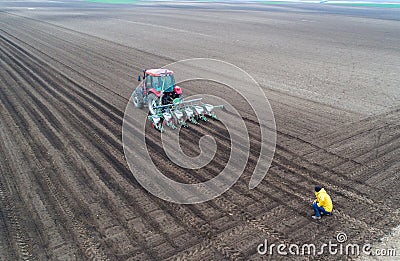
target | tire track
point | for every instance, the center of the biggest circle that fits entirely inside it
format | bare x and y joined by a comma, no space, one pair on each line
306,165
92,248
20,240
348,194
351,195
294,169
103,171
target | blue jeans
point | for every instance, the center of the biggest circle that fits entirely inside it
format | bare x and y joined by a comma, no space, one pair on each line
319,210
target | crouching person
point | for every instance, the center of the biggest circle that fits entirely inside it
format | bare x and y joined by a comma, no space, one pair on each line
322,205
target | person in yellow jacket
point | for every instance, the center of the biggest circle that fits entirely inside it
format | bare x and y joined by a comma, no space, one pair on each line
322,204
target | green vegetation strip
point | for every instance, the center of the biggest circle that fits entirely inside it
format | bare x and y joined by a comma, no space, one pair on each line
383,5
114,1
277,2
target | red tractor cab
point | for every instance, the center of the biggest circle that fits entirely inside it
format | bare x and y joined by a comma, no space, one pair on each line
157,88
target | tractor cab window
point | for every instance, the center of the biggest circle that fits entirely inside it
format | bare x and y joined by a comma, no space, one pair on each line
169,83
156,83
166,82
148,82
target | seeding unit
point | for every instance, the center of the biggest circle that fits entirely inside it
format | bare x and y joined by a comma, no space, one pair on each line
164,100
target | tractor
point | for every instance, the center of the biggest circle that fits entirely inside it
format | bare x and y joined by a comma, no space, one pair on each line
158,92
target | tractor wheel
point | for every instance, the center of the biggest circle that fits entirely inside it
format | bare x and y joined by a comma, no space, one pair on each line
152,101
137,98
